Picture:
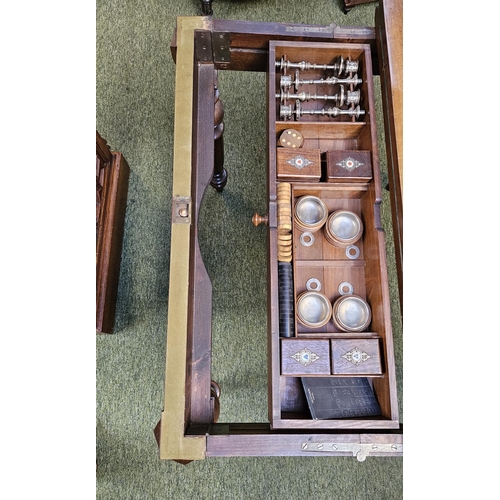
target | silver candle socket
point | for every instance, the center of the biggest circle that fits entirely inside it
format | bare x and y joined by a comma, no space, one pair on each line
353,97
351,66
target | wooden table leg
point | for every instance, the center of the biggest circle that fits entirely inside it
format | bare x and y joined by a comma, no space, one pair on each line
219,178
206,7
215,394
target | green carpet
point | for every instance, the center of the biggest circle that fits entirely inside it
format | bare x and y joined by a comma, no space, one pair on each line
135,77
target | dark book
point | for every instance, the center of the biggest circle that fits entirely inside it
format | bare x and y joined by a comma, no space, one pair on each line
340,397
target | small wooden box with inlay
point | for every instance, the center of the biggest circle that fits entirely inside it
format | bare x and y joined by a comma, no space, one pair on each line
305,357
356,357
348,166
294,165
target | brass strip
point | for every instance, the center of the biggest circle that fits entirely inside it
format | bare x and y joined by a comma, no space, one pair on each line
358,450
174,444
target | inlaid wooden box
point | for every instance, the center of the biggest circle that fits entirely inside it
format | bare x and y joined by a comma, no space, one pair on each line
348,166
298,164
356,357
305,357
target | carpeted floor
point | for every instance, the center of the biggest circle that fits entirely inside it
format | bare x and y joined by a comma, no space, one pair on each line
135,77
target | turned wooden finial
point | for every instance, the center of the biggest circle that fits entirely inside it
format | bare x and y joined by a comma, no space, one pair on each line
260,219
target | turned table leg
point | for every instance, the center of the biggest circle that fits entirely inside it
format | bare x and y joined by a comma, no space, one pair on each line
215,394
206,7
219,178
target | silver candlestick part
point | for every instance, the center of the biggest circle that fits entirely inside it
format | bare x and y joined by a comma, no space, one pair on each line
352,97
286,81
339,66
307,96
287,111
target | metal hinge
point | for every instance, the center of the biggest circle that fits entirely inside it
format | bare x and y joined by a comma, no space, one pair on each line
213,47
359,450
181,210
221,47
203,46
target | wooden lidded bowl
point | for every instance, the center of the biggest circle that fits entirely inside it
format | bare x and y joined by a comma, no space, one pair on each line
351,313
343,228
310,213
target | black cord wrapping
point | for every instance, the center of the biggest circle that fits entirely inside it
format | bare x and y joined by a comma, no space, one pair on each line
286,302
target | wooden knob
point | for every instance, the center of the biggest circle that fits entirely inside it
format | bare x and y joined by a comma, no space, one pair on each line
260,219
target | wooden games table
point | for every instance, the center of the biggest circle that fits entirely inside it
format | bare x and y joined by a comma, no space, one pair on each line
188,429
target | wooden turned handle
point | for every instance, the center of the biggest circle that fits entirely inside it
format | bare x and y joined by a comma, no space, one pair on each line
260,219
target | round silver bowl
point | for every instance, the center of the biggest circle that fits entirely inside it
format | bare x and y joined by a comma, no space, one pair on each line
314,310
343,228
310,213
351,313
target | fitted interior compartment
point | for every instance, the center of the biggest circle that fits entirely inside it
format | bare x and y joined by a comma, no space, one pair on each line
321,260
298,82
325,136
330,266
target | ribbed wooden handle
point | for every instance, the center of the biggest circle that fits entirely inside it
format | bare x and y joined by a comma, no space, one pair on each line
260,219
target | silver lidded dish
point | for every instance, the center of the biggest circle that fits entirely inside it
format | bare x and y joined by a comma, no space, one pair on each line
343,228
310,213
351,313
314,310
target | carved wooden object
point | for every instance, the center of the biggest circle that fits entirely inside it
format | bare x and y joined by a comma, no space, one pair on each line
112,174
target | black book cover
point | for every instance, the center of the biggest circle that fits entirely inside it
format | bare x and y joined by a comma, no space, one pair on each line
340,397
